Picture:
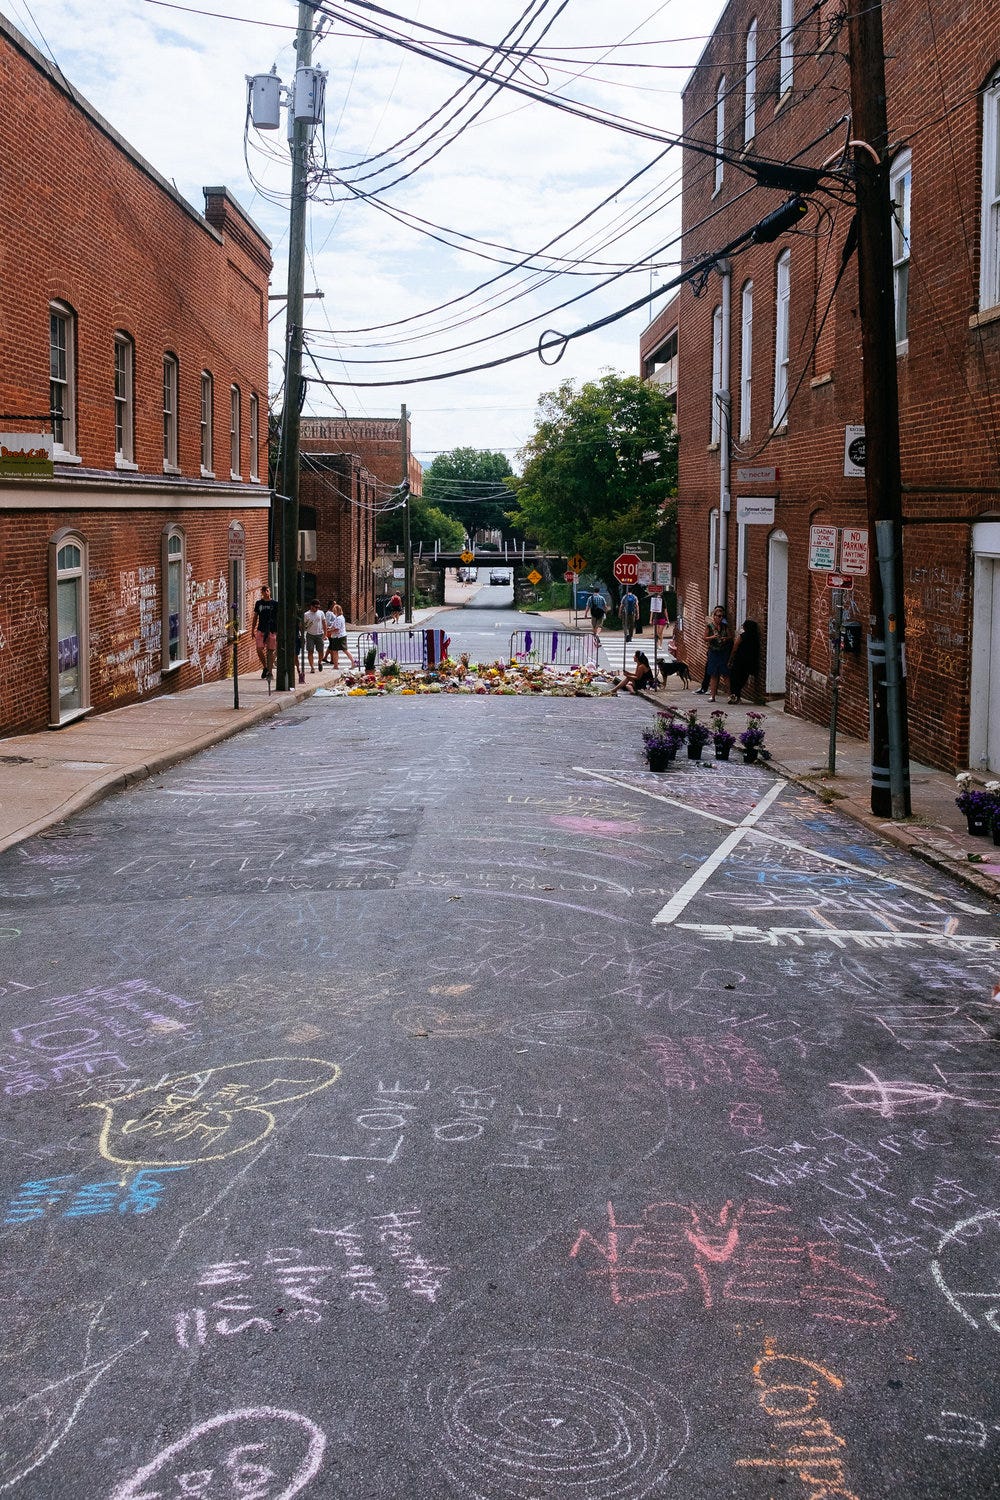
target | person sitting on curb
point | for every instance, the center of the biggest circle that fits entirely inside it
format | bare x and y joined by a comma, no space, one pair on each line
642,679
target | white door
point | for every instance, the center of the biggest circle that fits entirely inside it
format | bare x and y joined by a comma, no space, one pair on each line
777,611
984,716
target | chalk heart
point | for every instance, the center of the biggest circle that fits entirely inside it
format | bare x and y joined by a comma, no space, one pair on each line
263,1452
207,1116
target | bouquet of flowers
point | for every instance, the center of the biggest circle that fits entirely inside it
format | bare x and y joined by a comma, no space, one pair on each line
978,803
697,733
752,737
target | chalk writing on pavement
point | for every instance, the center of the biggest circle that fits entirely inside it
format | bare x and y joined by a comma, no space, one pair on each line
57,1197
256,1453
793,1391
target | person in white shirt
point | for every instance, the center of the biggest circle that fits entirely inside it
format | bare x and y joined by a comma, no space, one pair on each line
337,629
315,623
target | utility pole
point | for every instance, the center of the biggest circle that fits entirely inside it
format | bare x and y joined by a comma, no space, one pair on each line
291,410
890,755
404,444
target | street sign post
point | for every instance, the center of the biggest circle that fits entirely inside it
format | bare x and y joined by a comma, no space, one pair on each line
626,568
822,548
534,577
568,577
838,581
577,564
854,551
468,556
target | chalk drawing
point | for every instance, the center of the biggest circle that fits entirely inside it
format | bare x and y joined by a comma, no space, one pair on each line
210,1115
970,1253
33,1428
961,1430
873,941
139,1194
364,1245
536,1424
285,1276
810,1448
256,1453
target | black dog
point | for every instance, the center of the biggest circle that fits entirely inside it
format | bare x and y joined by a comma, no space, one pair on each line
671,667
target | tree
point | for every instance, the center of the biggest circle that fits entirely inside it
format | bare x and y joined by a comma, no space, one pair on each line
428,524
599,470
468,484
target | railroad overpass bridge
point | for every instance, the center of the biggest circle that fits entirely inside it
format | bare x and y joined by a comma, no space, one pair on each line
431,561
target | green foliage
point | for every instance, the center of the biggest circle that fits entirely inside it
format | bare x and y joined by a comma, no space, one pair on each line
588,485
427,524
468,484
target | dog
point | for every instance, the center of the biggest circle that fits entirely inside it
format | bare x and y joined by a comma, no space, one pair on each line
670,667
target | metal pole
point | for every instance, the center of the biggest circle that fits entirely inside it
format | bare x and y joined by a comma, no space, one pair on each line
236,660
895,682
836,627
404,435
291,410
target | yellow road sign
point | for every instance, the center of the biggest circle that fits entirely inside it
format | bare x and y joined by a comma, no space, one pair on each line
534,576
577,563
468,557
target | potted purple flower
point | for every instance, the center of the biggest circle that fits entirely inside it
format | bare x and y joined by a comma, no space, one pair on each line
721,737
698,736
662,742
981,805
752,739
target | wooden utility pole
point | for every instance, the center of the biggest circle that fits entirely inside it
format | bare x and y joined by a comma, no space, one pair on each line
404,444
890,789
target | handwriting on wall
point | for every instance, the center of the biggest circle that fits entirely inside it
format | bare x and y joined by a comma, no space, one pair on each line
257,1453
792,1391
57,1197
745,1253
210,1115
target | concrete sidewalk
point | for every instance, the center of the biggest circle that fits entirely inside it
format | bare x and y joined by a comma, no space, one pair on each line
47,776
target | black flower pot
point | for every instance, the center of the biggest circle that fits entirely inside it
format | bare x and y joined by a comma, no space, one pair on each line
694,752
658,760
722,752
750,754
979,825
996,829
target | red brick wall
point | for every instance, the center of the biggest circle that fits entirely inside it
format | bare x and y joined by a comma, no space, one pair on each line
343,493
83,220
949,433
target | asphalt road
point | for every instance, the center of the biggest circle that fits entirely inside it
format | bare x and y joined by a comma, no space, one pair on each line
419,1098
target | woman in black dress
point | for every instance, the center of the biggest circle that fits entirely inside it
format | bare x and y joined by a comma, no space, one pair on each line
745,660
719,639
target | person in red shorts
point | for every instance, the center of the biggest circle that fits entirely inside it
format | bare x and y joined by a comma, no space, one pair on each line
265,631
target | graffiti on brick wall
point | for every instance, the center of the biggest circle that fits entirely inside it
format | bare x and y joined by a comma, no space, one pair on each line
935,600
208,606
24,629
132,657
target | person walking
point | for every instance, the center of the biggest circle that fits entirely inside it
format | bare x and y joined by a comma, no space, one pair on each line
395,608
338,638
265,631
628,613
315,625
719,639
744,662
598,612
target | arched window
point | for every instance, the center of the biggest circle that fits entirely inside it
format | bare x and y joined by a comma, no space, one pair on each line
124,401
69,627
720,131
715,428
746,359
173,563
171,384
783,296
750,101
989,268
207,399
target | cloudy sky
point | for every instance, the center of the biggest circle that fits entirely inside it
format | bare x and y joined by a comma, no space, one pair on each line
411,138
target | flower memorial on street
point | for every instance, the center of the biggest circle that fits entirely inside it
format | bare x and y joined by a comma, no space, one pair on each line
496,679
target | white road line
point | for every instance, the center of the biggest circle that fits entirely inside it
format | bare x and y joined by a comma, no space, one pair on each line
690,888
786,843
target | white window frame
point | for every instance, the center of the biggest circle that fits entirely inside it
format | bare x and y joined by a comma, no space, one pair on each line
720,133
62,380
786,48
173,571
62,570
713,559
171,396
715,428
746,359
900,181
989,260
782,302
235,417
206,426
124,401
750,97
254,436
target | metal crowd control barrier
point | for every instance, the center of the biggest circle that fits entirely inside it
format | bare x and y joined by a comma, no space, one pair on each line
417,647
553,648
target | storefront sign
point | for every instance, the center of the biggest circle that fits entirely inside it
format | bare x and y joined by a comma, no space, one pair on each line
756,476
854,453
754,512
26,454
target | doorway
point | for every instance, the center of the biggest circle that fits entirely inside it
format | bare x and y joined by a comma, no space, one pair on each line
777,612
984,713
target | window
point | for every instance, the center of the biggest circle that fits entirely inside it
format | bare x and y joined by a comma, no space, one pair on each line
720,132
750,102
173,649
713,558
207,398
124,401
170,385
234,431
899,191
716,426
62,378
746,359
782,299
989,270
254,437
786,47
69,635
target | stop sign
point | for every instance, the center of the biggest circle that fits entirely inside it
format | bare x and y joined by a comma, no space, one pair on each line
626,568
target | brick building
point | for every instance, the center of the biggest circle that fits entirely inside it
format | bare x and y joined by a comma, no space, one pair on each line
350,466
768,359
133,360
